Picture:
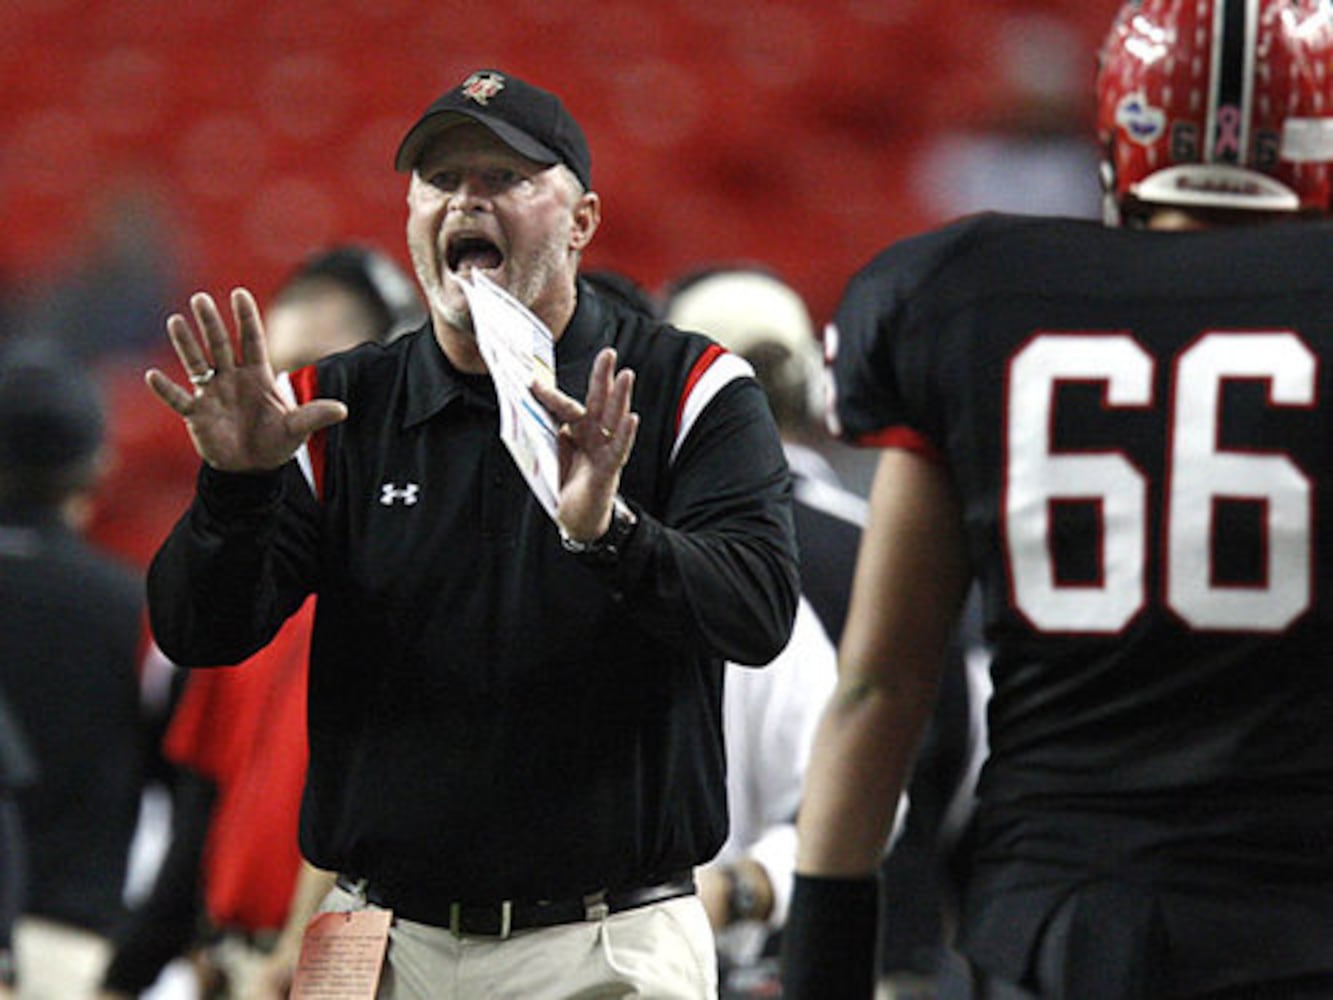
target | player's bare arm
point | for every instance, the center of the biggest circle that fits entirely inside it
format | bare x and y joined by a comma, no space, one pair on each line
911,578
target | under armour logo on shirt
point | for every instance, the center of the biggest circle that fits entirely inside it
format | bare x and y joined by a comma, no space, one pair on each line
390,494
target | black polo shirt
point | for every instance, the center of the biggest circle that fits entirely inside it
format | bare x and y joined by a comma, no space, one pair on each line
490,716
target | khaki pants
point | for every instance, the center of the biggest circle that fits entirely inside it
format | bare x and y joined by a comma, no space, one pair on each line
664,950
57,961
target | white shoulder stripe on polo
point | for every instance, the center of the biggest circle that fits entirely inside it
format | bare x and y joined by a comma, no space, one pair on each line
286,391
724,370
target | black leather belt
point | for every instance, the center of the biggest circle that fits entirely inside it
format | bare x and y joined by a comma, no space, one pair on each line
504,918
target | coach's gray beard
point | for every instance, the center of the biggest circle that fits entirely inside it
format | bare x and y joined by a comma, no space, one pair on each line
457,317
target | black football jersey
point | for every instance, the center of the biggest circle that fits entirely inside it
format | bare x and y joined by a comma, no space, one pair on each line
1138,425
1139,428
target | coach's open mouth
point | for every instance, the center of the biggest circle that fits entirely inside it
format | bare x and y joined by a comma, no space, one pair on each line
471,252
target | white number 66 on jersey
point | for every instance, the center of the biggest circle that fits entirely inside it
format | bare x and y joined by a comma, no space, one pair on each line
1197,473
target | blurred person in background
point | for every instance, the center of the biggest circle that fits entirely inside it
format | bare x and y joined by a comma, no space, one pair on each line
239,736
71,638
104,304
1121,434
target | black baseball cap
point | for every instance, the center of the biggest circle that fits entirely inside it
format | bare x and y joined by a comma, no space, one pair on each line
531,121
51,414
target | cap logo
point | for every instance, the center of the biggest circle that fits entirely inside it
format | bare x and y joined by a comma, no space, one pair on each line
481,87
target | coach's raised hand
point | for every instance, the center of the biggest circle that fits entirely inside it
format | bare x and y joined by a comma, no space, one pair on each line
236,416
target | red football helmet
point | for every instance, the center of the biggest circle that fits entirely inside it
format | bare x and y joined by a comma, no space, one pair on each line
1218,104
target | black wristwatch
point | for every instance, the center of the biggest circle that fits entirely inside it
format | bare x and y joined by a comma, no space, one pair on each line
607,548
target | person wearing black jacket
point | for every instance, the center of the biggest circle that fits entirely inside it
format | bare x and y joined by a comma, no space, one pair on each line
515,725
71,628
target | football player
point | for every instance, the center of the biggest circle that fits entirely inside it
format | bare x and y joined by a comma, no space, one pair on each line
1123,434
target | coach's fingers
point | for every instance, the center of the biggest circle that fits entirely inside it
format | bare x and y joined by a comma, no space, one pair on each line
209,320
168,391
249,327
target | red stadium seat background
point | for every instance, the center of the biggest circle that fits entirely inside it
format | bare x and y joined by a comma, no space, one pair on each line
155,147
772,130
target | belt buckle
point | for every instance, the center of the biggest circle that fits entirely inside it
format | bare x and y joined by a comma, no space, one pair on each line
596,907
506,919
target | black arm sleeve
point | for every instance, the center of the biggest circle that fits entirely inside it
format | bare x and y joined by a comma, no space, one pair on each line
828,946
719,571
165,924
